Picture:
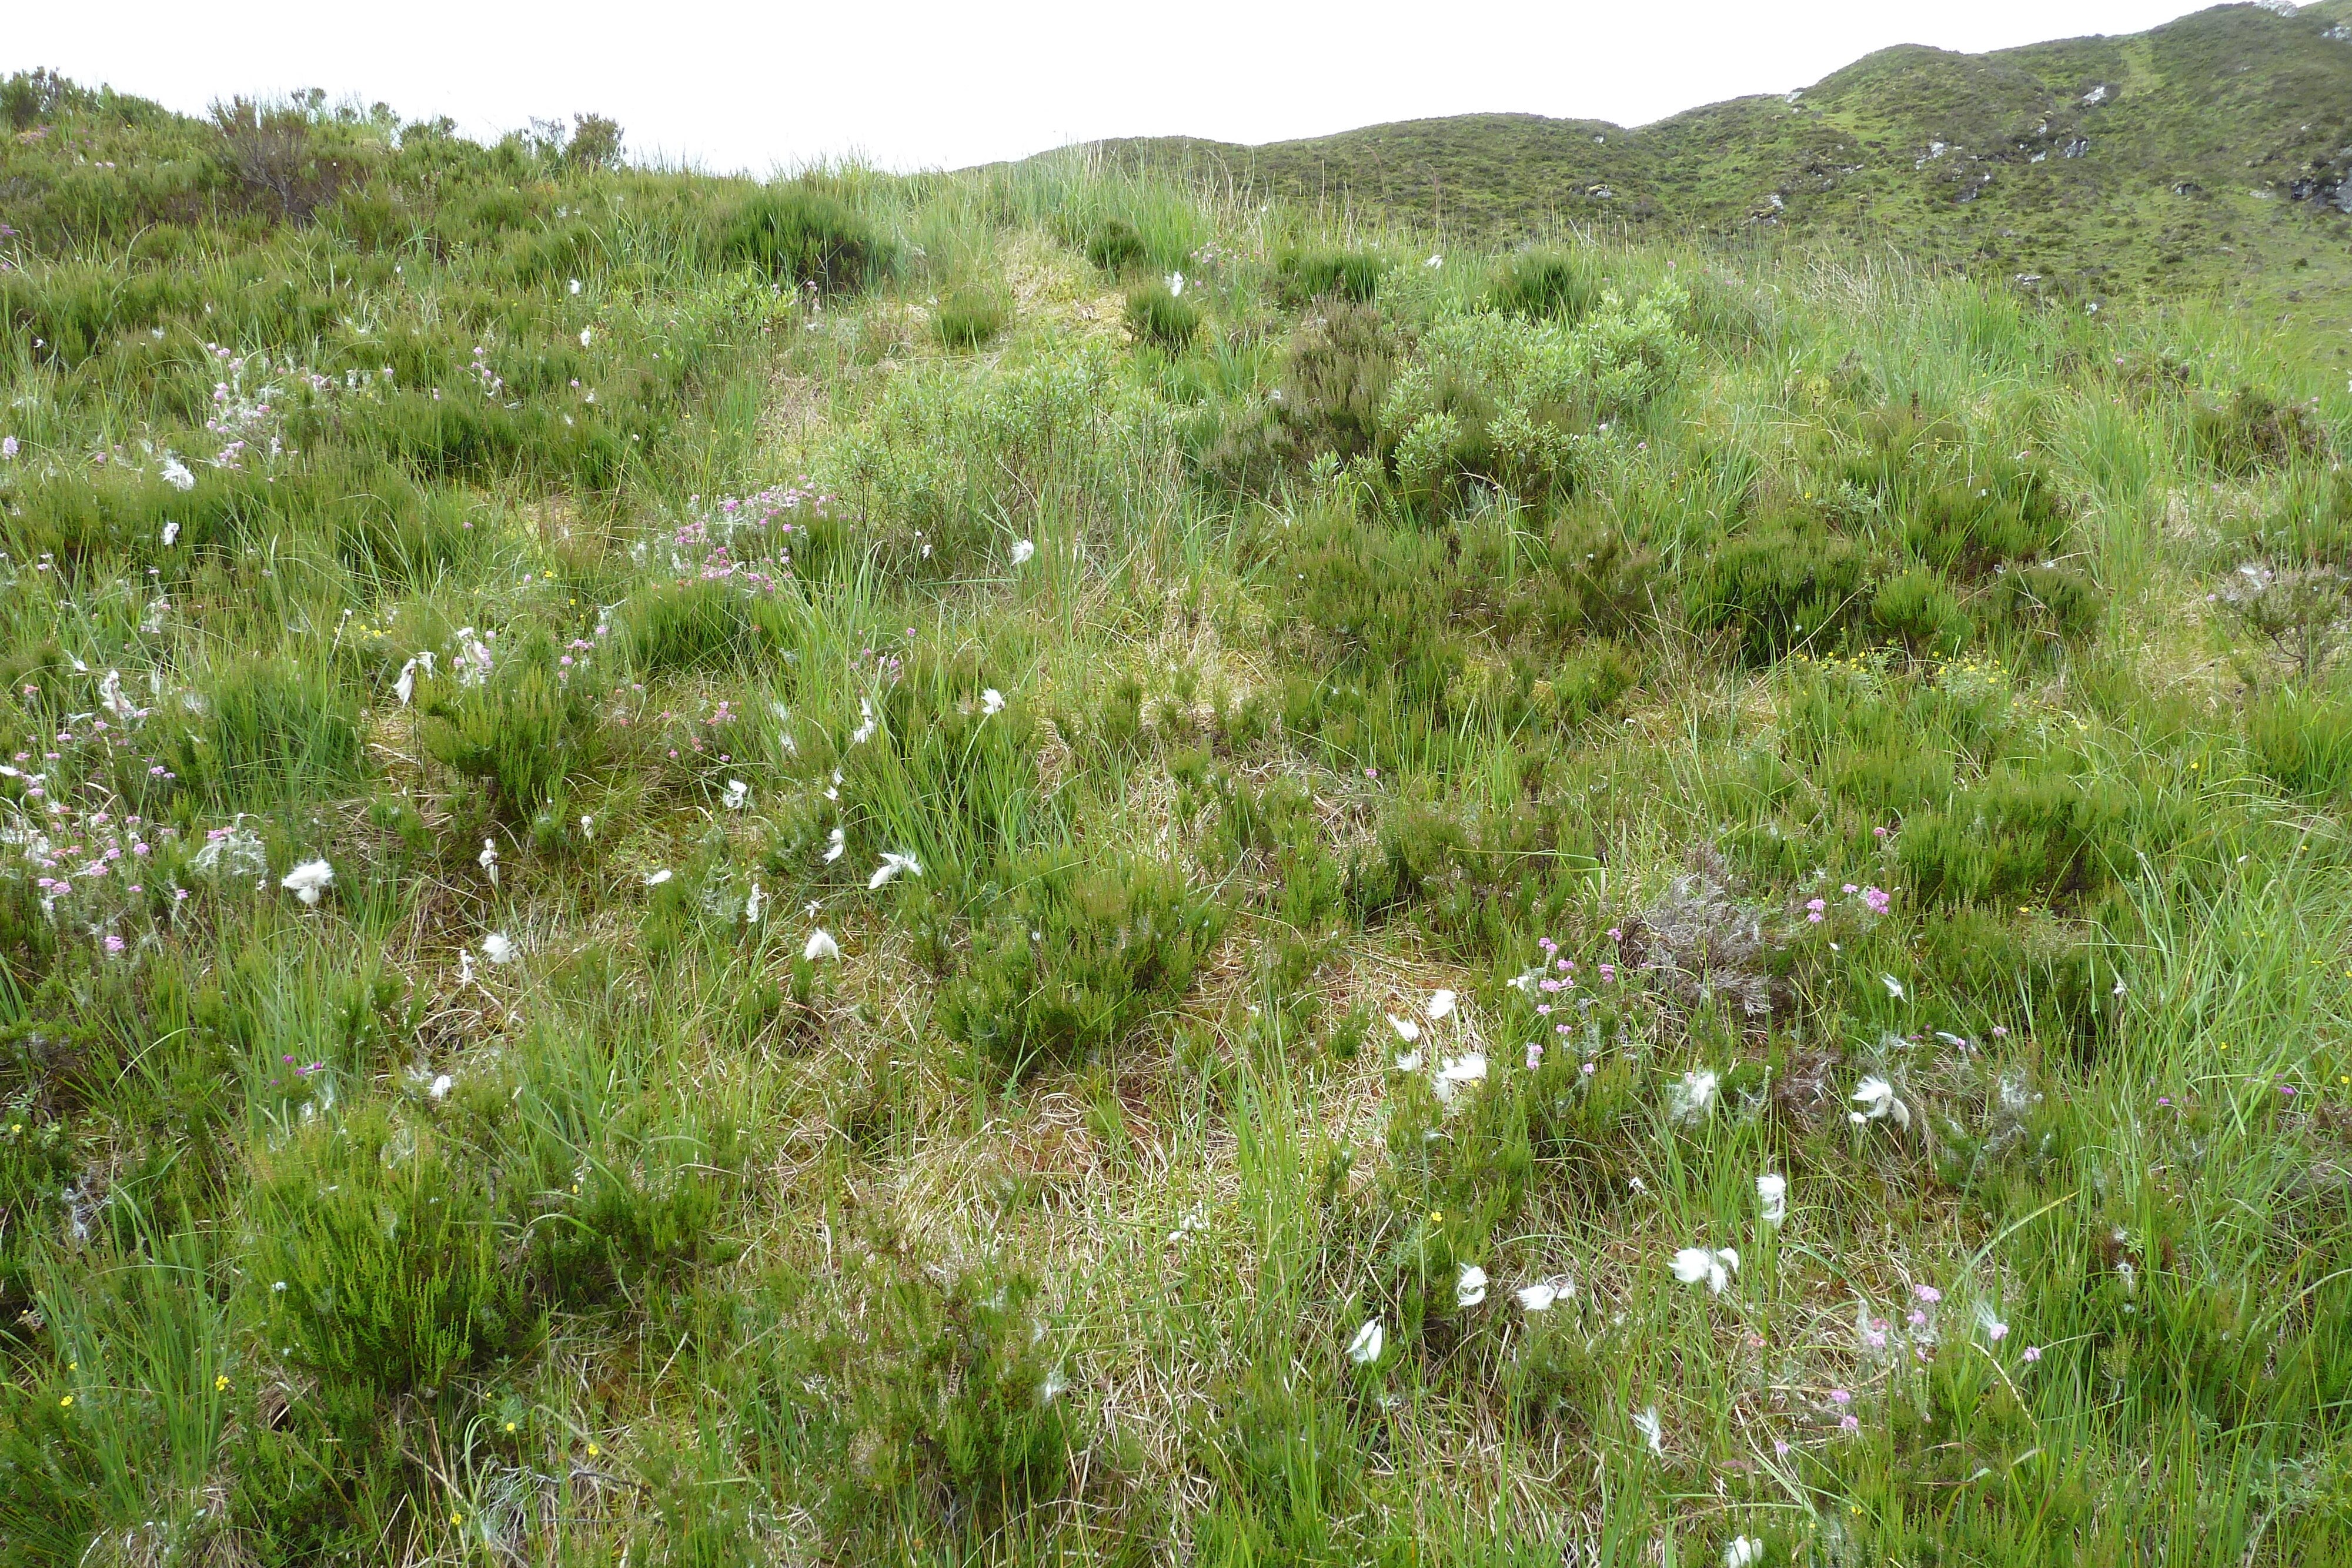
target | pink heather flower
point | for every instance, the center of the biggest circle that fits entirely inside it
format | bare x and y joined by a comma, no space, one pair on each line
1534,1054
2001,1031
1878,832
1841,1396
114,944
1609,971
2033,1353
1918,1320
1849,887
1816,904
1875,1338
1850,1424
1615,935
1780,1447
1927,1293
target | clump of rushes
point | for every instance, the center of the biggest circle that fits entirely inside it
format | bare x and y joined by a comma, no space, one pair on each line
972,316
1158,314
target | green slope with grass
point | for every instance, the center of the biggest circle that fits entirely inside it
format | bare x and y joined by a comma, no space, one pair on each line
2212,154
705,873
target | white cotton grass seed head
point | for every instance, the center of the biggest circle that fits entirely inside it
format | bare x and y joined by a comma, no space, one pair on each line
1894,987
1698,1265
992,703
1879,1101
821,945
1470,1286
1021,550
439,1088
659,877
1772,1198
836,843
893,863
1544,1294
1406,1029
1653,1430
499,948
1365,1348
307,880
1745,1551
1441,1004
1694,1097
738,795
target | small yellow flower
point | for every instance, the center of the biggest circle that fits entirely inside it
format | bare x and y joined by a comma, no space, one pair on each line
220,1384
510,1426
594,1450
460,1518
67,1402
1435,1217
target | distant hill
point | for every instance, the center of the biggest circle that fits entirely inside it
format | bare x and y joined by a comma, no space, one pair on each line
2213,151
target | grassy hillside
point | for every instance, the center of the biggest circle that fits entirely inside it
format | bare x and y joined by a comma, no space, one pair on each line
2212,154
700,873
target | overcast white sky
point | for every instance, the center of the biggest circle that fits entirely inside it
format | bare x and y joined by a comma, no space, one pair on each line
914,83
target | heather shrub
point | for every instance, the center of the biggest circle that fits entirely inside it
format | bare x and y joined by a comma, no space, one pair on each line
520,728
1114,246
395,1274
1304,275
969,1425
2253,430
1918,610
798,235
2022,830
972,316
266,731
1157,315
1336,370
1546,283
1783,581
1072,957
1999,513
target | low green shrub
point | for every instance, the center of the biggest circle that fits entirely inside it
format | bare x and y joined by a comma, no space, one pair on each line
1304,275
1971,525
396,1275
523,728
967,1413
2022,830
1157,315
2060,600
2253,431
1114,246
1074,958
1546,283
972,316
704,623
638,1197
1919,610
800,235
1783,581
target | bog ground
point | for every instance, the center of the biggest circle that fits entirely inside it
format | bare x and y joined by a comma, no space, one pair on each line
1030,867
